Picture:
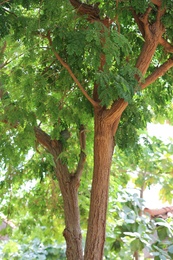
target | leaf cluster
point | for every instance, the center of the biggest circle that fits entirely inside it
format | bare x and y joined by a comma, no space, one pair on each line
134,232
34,250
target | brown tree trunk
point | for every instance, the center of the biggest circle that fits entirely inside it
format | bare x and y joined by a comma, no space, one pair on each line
68,184
72,231
103,151
106,122
136,255
69,188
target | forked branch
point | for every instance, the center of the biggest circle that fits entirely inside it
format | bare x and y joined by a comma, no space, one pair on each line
119,106
113,114
53,146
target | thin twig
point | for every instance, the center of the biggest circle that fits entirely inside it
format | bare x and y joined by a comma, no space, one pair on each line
4,2
80,165
66,66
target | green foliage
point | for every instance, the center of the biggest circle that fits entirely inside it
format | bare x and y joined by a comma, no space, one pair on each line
134,117
40,91
113,86
140,8
129,231
34,250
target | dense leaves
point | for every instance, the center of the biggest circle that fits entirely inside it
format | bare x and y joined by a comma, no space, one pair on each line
59,66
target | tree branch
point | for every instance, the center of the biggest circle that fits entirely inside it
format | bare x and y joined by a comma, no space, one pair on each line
53,146
161,11
116,124
116,110
6,1
66,66
3,47
86,9
157,2
160,71
80,166
2,65
139,22
144,26
144,19
167,46
82,157
119,106
82,138
92,11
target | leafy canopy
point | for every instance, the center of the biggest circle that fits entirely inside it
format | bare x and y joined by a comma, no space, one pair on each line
38,90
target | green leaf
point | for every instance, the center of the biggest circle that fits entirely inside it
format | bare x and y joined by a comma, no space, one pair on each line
162,233
136,245
170,249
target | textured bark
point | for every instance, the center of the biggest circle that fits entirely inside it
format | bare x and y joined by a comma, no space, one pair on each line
103,150
68,184
146,56
72,232
160,71
152,39
106,123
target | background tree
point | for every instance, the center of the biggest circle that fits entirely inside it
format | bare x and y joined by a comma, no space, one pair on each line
71,63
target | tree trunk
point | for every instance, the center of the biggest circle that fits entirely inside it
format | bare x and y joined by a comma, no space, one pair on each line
68,184
103,151
136,255
69,188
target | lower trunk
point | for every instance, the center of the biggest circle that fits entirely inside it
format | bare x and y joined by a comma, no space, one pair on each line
68,184
72,232
103,150
136,255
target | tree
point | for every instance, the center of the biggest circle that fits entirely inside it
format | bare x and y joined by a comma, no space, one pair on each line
68,63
